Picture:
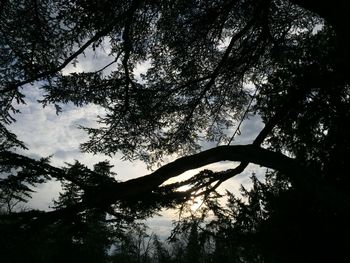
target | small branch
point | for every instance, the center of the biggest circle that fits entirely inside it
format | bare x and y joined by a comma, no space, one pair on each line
13,86
237,131
16,160
222,177
220,65
105,31
109,64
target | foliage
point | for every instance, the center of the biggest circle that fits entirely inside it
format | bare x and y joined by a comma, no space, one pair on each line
210,66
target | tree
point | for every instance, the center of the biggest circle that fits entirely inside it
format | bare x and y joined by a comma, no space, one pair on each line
160,252
202,56
134,246
193,246
86,236
245,229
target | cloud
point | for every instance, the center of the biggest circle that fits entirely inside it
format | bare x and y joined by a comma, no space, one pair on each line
92,60
249,130
45,193
161,224
46,134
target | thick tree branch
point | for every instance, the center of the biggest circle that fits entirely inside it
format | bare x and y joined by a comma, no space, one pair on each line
306,178
238,153
139,186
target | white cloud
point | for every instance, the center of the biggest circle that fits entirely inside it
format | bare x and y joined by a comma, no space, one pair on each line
47,134
92,60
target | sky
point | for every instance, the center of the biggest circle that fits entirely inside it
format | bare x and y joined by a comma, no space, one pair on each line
47,134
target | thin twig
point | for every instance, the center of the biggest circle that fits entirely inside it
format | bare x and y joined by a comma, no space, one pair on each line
237,131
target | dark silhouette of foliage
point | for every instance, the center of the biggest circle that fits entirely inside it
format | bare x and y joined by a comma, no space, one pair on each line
211,65
161,253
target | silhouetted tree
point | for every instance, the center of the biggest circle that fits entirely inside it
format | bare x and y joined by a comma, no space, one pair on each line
161,253
212,64
86,236
134,246
193,249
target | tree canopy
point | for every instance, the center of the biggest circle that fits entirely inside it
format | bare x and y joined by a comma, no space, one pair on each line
210,66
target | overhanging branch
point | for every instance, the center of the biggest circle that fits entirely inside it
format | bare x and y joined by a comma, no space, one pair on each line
238,153
306,178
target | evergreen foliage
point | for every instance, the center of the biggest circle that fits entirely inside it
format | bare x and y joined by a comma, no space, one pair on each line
210,66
